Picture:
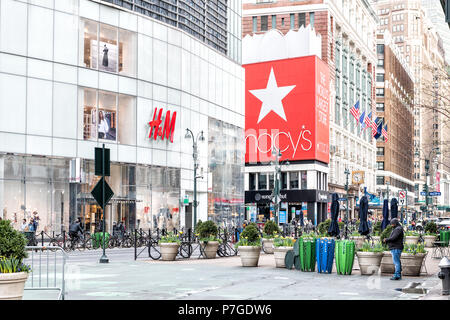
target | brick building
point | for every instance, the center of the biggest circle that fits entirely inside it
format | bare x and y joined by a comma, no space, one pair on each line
347,29
395,106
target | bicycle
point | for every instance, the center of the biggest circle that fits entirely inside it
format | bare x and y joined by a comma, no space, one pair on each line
154,251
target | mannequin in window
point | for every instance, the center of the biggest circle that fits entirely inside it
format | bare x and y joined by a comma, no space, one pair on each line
105,56
103,127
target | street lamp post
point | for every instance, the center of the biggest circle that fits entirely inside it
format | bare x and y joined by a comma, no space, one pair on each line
347,173
427,174
277,182
200,137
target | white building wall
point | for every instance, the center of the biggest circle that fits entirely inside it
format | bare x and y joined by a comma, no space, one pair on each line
40,77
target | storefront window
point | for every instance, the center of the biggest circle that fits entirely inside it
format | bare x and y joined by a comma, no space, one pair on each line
262,181
304,180
88,41
107,48
284,180
271,181
293,180
226,151
88,97
104,122
107,116
252,181
127,51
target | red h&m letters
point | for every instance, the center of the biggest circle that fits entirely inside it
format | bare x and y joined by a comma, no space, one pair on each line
169,125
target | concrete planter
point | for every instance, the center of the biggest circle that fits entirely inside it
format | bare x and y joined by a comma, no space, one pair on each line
210,249
169,251
411,263
369,262
268,246
387,265
429,240
12,284
280,254
249,255
359,241
411,239
376,238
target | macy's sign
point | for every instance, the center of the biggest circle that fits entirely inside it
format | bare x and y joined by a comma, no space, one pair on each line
261,143
165,131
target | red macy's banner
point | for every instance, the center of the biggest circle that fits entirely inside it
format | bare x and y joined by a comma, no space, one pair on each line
287,108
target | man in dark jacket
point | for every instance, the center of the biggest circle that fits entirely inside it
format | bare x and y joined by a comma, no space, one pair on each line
75,228
395,243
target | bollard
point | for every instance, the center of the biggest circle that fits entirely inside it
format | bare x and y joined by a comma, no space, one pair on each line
42,238
135,244
444,275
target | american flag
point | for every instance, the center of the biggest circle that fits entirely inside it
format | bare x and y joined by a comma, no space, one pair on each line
384,132
355,110
368,120
374,127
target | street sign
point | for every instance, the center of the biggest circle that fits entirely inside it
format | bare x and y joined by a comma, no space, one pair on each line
97,193
434,194
99,163
423,193
402,201
402,194
342,199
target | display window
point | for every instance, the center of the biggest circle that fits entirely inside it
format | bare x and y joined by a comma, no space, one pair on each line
107,48
107,116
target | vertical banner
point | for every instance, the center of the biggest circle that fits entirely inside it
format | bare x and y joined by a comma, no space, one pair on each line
305,209
438,181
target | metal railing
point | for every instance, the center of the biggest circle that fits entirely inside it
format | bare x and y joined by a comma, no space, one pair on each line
44,263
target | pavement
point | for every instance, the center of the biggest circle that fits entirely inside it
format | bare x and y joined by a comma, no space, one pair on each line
224,278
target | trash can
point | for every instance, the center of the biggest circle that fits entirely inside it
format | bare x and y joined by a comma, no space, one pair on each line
325,255
345,256
97,240
444,236
307,253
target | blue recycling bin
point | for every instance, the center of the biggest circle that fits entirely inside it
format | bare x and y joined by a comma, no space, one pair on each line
325,255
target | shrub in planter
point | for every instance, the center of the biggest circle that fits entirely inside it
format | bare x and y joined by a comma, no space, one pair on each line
377,228
369,258
281,246
412,259
169,245
13,272
323,227
208,238
431,228
249,246
270,230
411,237
430,234
359,239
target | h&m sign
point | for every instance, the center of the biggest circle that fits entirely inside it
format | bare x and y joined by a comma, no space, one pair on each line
165,131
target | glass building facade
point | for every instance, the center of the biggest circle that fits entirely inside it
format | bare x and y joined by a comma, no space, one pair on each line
215,22
80,74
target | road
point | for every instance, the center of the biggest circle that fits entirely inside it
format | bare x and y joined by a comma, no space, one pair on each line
220,278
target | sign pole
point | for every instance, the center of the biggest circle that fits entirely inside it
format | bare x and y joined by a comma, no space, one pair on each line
104,258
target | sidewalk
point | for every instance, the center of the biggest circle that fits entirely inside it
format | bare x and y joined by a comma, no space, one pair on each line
225,278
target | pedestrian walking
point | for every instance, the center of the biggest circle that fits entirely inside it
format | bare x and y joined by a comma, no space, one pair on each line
24,225
395,244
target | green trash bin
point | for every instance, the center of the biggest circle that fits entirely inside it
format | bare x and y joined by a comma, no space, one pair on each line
97,240
345,256
445,236
307,253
